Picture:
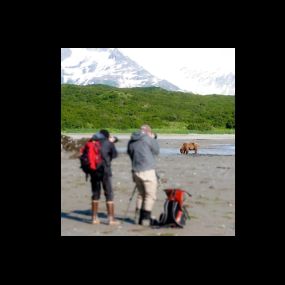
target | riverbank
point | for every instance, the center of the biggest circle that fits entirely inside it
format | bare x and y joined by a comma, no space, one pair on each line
209,178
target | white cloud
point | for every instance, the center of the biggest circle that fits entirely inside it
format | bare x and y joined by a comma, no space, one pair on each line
165,62
193,69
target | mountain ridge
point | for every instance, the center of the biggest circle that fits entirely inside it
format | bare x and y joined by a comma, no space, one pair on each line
87,66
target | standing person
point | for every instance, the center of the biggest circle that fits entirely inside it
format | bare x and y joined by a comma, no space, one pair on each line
102,175
142,148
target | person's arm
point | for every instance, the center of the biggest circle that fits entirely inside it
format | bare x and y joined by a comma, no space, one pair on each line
108,152
154,146
113,151
129,151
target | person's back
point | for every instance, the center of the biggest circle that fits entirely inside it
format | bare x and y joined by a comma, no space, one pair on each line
108,153
142,149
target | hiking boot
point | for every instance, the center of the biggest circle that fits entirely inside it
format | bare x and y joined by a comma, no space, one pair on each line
145,218
110,210
95,220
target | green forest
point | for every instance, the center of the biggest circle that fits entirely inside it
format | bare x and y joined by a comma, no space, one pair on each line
99,106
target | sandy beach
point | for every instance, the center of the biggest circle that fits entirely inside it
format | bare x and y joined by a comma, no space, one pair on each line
209,178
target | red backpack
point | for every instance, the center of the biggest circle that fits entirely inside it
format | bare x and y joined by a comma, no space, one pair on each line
90,158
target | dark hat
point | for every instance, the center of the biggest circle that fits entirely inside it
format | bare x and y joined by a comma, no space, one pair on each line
105,133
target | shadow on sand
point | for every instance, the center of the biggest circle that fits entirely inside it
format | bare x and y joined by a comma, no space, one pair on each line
74,215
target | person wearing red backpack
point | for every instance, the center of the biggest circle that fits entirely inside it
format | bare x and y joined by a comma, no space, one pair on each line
102,175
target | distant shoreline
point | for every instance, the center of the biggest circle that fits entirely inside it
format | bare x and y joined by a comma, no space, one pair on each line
162,136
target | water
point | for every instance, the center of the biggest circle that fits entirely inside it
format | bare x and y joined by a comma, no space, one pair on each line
218,149
213,149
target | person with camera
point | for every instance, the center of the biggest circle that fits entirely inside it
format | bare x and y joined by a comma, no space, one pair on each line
142,148
102,175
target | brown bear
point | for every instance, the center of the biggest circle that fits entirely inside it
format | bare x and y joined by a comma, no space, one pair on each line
186,147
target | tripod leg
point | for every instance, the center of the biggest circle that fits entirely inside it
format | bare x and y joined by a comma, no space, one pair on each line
130,200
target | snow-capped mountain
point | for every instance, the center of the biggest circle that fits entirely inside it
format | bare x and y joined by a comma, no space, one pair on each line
109,66
205,81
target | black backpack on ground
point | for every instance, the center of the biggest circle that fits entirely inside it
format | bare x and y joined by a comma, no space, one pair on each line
175,213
